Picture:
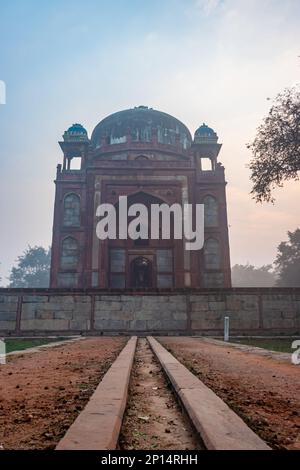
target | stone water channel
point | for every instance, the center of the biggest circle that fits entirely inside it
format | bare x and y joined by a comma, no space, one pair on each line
154,419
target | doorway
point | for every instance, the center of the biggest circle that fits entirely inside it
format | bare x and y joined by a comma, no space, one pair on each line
141,273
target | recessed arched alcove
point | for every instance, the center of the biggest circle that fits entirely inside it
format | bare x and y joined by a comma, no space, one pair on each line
141,272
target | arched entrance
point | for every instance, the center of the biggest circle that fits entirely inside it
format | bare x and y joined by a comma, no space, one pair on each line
141,273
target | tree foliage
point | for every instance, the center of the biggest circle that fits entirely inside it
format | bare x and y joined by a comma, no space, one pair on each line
33,268
251,276
288,261
276,147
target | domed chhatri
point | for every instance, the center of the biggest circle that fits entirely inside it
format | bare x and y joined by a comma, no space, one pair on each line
75,133
205,135
141,124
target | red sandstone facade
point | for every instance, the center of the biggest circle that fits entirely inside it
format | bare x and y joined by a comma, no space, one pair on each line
150,157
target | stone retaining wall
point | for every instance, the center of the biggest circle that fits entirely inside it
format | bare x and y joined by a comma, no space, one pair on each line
251,311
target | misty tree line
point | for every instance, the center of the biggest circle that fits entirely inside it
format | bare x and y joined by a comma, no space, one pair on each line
285,271
275,159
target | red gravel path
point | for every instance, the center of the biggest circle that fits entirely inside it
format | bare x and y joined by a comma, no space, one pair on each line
263,391
42,393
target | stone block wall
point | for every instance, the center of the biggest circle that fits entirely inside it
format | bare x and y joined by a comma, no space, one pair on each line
140,312
8,312
55,313
185,312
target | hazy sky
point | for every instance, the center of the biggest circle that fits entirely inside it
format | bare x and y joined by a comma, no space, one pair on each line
207,61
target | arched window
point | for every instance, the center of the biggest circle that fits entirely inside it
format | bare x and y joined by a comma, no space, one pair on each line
212,257
210,211
69,254
72,210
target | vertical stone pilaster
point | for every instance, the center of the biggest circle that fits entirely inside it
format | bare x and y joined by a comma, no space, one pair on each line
188,315
18,314
260,313
92,327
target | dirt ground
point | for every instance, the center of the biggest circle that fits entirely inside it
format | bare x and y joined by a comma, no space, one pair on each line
42,393
153,418
263,391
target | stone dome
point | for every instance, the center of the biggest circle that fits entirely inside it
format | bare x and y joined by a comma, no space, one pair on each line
141,123
205,134
75,132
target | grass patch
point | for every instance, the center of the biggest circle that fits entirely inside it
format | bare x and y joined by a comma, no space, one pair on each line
272,344
19,344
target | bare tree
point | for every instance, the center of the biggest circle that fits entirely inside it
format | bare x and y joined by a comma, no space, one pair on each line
276,147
